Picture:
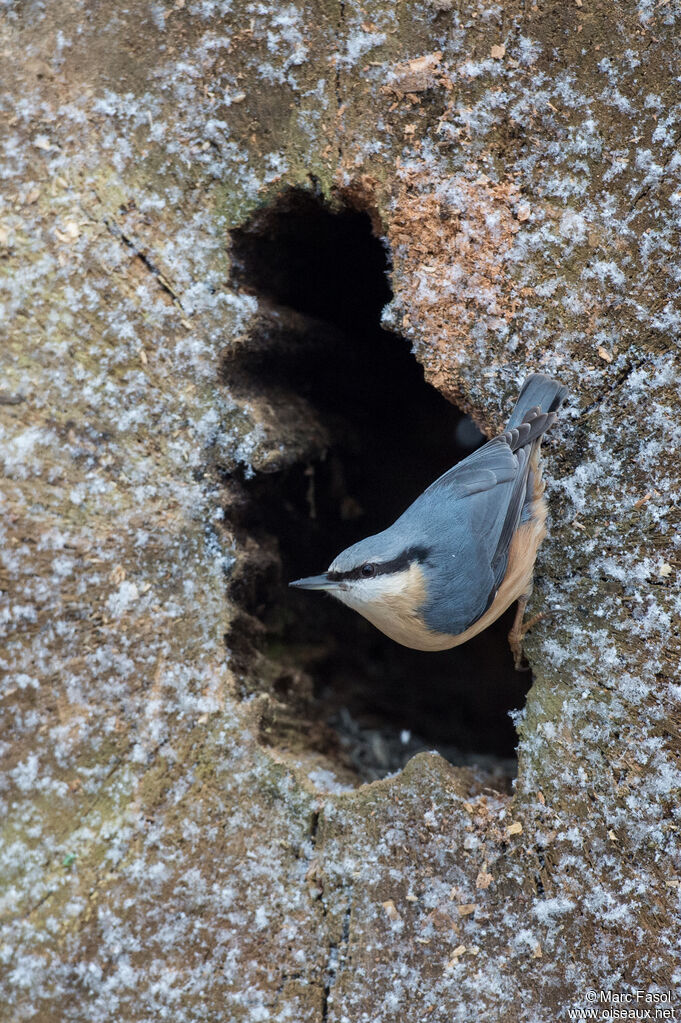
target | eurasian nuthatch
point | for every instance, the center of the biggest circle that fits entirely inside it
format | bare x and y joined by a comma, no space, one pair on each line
464,551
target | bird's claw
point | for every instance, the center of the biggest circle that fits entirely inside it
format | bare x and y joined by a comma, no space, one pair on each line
518,632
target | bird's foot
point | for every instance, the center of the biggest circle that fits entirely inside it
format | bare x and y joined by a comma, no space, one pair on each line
517,634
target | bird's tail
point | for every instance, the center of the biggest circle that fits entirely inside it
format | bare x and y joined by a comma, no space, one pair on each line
538,389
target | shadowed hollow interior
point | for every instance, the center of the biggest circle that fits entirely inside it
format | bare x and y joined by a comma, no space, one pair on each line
387,434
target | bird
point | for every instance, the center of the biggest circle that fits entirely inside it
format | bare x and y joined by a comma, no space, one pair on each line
465,549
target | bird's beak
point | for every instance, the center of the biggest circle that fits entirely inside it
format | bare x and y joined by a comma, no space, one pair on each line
313,582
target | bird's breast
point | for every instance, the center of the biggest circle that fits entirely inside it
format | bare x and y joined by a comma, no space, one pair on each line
395,610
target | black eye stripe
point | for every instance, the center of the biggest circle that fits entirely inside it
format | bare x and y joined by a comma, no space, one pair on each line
384,567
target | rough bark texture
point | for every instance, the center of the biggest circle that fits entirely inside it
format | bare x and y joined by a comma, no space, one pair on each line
159,861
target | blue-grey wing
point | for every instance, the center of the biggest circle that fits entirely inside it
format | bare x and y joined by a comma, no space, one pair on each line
482,470
495,461
471,514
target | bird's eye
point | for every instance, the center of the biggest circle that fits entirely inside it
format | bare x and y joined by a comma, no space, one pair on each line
368,571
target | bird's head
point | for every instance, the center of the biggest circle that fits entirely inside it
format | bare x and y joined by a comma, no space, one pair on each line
381,577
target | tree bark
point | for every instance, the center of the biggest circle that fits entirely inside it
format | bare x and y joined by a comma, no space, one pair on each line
159,858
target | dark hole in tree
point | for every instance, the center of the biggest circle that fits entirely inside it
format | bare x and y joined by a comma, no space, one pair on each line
390,434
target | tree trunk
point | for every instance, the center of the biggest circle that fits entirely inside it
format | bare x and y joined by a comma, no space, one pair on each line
187,831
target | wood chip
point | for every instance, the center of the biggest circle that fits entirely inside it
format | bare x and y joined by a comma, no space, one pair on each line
416,75
467,908
391,910
515,828
70,233
605,354
642,500
458,951
483,880
664,570
497,52
523,213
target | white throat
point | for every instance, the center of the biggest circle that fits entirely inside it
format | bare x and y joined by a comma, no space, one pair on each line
393,602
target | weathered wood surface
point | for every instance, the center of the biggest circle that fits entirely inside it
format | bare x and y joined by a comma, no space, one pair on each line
523,163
